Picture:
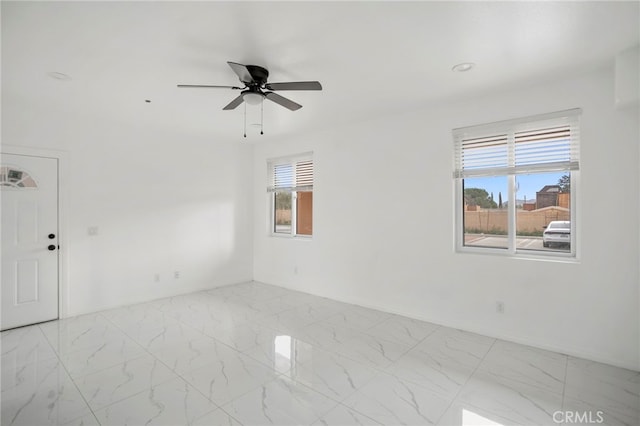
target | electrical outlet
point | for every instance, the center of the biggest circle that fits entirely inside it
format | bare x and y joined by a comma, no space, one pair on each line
156,278
176,274
92,230
500,307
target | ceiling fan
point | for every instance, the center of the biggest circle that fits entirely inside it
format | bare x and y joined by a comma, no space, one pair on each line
256,87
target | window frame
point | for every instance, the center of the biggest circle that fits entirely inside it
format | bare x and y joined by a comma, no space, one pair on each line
511,127
292,160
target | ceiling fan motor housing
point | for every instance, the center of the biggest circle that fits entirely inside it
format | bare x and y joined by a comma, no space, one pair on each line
259,74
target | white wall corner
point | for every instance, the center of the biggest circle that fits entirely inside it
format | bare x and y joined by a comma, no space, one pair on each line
627,78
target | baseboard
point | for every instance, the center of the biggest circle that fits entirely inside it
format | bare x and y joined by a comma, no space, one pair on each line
115,306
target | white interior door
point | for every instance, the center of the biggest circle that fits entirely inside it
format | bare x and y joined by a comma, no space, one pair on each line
29,190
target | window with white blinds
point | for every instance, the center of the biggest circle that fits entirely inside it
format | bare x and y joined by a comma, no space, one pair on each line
290,185
290,174
516,183
548,142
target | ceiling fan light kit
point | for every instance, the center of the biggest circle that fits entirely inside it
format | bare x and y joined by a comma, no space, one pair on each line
252,98
256,88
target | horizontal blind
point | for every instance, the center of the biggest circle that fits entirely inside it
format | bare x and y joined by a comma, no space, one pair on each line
290,174
550,149
539,144
487,154
304,175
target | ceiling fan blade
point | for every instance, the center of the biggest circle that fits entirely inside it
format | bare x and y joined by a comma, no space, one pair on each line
281,100
234,103
295,85
197,86
242,71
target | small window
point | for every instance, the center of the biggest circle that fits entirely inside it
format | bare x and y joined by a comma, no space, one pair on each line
516,184
290,188
13,177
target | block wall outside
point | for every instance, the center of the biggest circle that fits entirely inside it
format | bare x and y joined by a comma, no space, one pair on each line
283,217
496,220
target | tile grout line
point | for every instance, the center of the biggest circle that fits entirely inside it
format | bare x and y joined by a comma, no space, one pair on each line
383,369
126,361
62,364
453,399
156,359
179,375
279,375
564,384
176,373
378,370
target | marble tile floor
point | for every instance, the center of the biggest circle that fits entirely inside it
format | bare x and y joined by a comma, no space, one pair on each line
255,354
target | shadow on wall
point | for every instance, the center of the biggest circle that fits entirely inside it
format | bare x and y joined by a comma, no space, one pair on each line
136,255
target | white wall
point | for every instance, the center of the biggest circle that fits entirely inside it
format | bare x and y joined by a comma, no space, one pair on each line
162,202
383,226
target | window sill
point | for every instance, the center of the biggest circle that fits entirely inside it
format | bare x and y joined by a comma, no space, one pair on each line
557,257
292,237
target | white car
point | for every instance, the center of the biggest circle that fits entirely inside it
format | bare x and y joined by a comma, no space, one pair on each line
557,232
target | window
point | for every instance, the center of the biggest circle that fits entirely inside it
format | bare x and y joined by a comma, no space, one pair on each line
291,190
516,184
15,178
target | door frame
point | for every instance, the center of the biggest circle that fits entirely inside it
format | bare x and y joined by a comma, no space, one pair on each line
61,157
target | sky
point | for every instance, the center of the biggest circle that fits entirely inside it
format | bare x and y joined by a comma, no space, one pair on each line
527,185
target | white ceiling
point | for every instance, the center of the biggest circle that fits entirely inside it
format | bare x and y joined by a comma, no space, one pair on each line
373,58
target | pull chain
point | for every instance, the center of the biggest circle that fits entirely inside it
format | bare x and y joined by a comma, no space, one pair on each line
245,119
262,116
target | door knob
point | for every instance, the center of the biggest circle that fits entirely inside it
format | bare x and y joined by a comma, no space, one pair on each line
51,247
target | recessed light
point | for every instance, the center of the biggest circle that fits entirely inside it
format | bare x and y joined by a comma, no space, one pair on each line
463,67
59,76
